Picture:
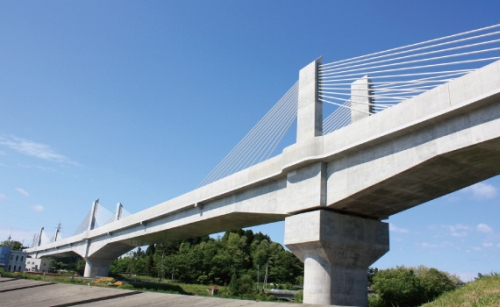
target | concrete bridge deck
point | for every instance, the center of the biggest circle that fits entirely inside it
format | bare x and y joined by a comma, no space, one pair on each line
28,293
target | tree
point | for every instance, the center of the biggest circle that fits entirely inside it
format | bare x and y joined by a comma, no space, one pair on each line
434,282
246,284
371,274
410,286
150,264
13,245
120,265
214,261
398,287
234,284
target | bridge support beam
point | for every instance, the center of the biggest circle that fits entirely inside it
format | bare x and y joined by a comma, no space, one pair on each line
336,250
96,267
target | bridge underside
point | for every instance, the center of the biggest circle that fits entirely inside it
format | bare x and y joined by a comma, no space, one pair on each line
434,178
231,221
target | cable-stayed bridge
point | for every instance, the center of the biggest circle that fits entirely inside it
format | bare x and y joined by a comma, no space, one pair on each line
409,124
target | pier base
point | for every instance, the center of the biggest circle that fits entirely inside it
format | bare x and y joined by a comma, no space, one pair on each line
336,250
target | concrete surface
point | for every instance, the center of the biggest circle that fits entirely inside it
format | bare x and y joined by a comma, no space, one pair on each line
337,250
361,102
15,293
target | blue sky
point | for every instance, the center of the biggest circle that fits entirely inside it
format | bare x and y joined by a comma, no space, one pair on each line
136,102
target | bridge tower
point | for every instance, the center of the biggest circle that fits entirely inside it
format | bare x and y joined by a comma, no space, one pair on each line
94,266
336,248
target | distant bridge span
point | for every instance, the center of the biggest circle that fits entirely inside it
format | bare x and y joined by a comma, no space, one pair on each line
331,189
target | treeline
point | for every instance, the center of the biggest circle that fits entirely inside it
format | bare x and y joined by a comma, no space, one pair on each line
204,260
407,286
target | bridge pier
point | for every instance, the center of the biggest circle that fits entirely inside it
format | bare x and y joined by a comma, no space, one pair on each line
336,250
96,267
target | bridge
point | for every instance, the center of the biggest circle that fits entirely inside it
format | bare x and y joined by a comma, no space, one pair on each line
410,124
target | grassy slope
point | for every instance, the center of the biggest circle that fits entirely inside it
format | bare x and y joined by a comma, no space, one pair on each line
484,292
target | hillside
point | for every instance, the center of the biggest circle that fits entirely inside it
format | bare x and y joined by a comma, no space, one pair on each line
484,292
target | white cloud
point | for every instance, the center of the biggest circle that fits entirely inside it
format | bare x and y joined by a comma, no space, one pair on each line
33,149
23,192
458,230
2,197
484,228
482,190
487,244
446,244
426,245
394,228
37,208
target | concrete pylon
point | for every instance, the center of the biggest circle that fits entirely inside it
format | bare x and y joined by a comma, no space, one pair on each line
40,237
336,250
93,209
310,108
361,99
118,212
96,267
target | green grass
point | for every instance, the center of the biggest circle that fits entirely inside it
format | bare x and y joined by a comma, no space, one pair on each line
143,283
484,292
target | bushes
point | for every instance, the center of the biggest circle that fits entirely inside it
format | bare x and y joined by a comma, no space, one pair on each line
403,286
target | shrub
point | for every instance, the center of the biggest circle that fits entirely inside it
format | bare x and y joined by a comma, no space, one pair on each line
403,286
399,286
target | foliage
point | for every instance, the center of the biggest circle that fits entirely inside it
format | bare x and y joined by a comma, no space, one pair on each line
13,245
399,286
246,284
70,264
371,273
233,287
435,283
403,286
299,297
214,261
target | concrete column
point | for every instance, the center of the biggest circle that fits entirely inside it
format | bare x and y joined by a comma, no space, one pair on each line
361,100
336,250
310,109
96,267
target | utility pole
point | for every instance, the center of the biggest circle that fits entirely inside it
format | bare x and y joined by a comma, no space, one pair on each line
258,275
265,277
173,269
161,270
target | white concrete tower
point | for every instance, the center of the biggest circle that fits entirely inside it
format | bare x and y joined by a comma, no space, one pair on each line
336,248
